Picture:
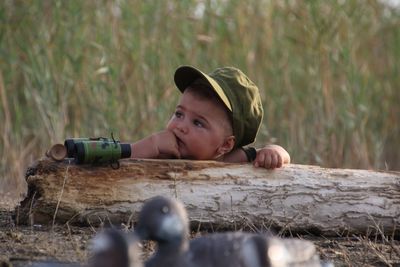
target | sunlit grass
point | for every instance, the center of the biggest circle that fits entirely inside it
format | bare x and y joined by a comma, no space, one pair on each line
328,72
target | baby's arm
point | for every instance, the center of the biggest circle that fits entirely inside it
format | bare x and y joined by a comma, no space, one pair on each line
269,157
159,145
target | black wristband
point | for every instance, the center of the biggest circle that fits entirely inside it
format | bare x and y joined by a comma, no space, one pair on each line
251,153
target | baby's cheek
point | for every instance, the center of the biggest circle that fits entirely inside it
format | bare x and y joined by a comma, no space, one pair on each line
191,152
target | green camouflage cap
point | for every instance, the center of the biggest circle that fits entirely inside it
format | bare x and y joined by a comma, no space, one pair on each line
239,94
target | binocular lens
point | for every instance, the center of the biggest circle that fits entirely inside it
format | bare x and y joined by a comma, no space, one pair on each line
70,145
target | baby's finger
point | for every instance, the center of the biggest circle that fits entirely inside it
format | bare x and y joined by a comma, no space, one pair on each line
259,161
274,161
173,149
280,161
268,161
173,144
176,153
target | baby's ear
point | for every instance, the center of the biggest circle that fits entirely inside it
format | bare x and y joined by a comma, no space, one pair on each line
228,144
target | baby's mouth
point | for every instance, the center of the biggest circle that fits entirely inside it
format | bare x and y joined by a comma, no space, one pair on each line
180,143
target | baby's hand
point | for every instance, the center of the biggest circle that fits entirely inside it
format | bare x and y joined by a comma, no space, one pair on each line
166,144
271,157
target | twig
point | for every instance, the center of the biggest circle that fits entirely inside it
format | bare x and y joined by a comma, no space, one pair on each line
59,199
30,209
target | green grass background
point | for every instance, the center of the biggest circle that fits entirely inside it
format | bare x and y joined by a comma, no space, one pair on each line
328,72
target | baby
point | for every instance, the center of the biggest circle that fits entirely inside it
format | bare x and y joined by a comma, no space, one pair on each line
217,116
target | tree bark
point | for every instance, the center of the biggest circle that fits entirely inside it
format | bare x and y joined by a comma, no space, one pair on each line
295,198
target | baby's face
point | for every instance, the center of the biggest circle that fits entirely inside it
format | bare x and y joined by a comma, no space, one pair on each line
199,125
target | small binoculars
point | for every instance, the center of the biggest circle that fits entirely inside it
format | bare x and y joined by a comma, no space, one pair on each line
91,150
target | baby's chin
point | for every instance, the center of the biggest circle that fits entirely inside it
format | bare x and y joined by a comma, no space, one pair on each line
185,155
192,157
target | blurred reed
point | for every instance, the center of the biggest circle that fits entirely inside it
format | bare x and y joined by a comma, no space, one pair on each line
328,72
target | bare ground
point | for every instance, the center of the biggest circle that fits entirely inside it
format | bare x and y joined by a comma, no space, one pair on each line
65,244
26,245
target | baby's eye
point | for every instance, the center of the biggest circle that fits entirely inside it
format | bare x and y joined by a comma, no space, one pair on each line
198,123
178,114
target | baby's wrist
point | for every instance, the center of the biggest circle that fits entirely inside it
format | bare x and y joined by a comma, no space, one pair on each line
154,140
251,153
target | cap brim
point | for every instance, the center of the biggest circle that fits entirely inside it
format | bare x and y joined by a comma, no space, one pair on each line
185,75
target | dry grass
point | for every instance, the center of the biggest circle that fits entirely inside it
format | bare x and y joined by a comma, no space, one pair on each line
328,73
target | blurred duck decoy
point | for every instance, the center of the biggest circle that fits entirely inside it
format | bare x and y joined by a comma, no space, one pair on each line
112,248
165,221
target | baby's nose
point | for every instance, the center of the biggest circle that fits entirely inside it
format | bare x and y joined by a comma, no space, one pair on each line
182,127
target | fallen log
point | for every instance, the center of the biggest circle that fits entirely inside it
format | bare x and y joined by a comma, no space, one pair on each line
296,198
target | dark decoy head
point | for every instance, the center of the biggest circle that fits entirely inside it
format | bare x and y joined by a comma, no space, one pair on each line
163,220
112,248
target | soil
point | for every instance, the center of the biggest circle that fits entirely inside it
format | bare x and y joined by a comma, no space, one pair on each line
66,245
